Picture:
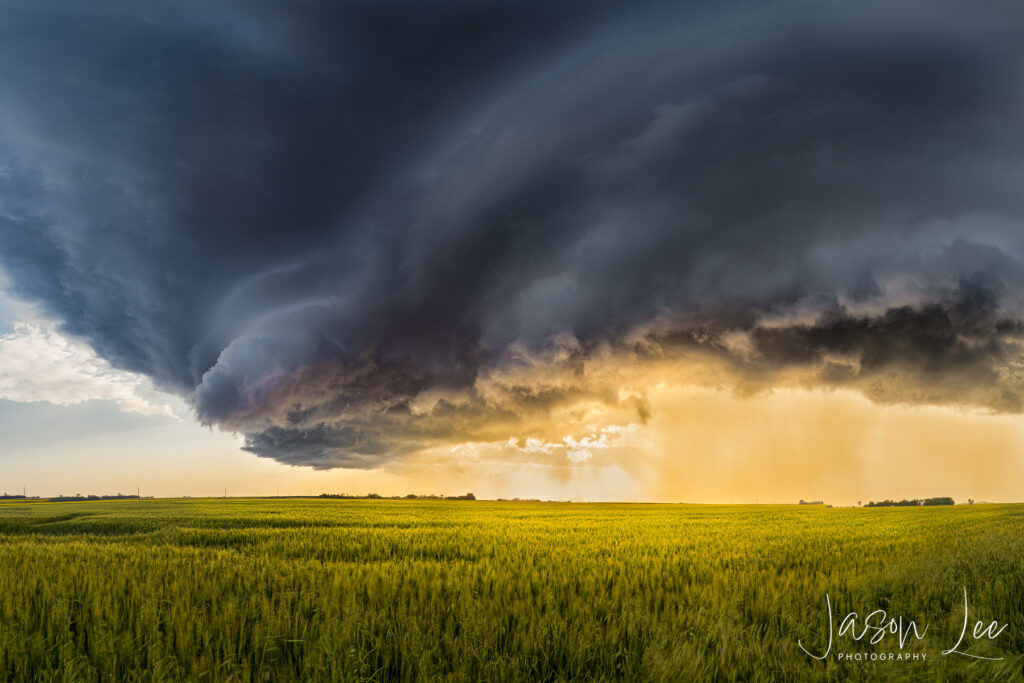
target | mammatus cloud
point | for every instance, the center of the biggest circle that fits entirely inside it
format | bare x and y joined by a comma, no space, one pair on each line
351,232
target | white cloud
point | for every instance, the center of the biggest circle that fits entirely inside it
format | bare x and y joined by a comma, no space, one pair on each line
38,363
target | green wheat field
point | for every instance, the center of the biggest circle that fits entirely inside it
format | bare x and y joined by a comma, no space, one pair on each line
307,589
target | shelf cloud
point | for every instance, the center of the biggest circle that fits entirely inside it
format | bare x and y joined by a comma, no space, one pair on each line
353,231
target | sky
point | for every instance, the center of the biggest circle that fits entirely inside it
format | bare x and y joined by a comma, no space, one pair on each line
697,251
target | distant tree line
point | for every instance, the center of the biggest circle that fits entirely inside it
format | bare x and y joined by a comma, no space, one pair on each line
810,502
79,496
411,496
944,500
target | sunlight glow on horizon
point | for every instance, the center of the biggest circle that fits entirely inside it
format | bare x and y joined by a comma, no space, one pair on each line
701,445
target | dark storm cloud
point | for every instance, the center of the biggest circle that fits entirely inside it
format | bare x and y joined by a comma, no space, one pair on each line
957,350
327,222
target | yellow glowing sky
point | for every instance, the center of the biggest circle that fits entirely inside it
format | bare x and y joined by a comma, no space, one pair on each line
668,429
700,445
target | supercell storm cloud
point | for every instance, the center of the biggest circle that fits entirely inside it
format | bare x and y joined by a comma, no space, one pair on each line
354,230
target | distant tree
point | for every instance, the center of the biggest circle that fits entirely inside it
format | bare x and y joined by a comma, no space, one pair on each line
944,500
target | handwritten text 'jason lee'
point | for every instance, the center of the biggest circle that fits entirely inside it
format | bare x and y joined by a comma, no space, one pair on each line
877,625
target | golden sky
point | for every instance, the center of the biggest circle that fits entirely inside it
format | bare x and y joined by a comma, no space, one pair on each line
710,445
609,426
623,428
